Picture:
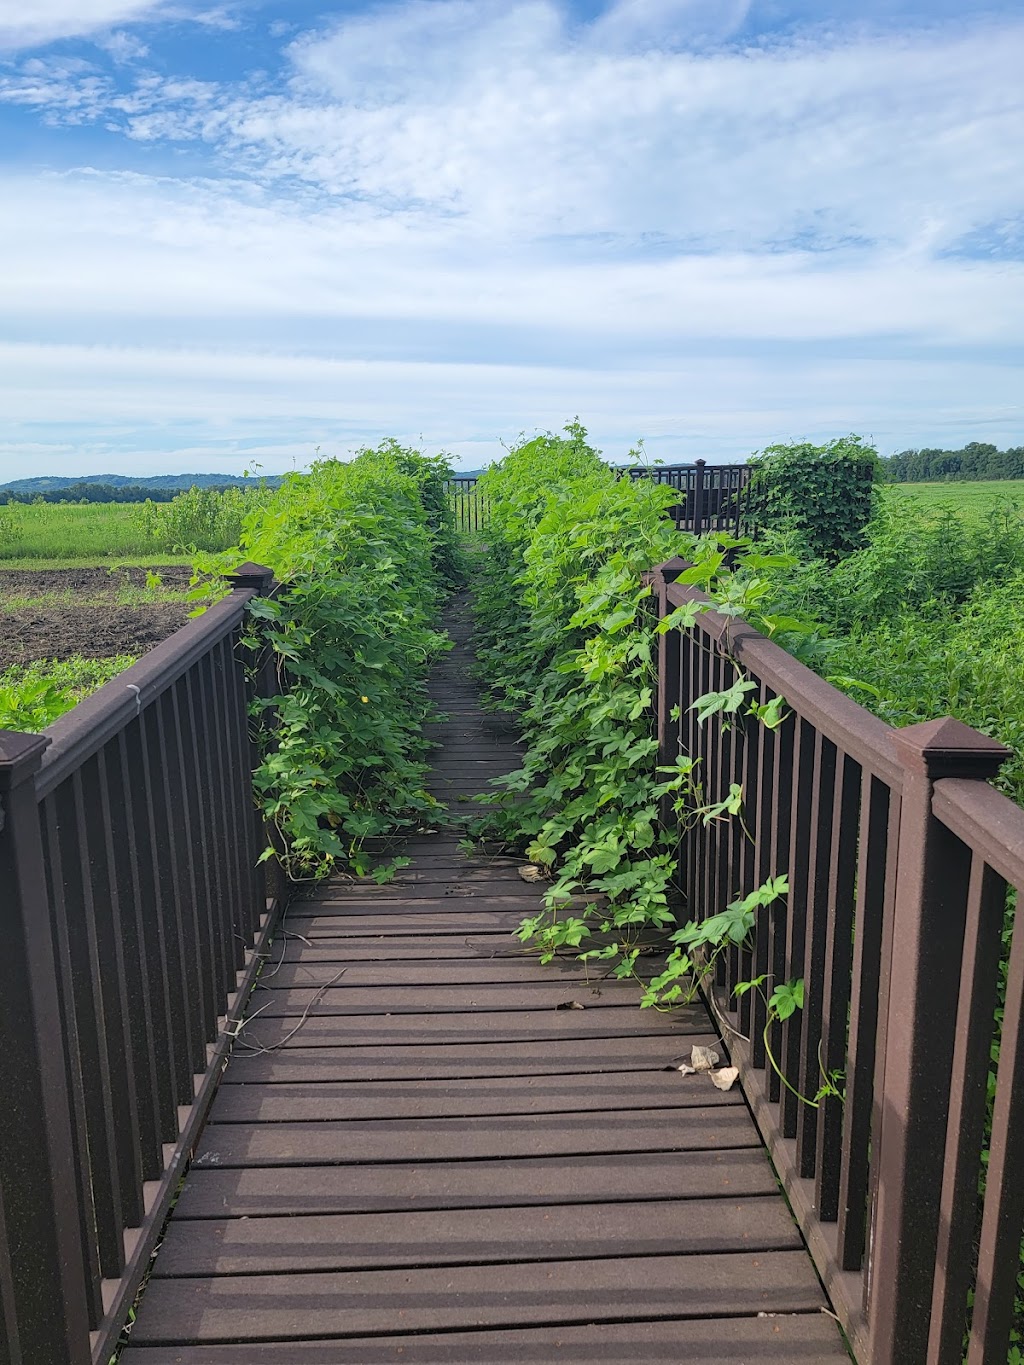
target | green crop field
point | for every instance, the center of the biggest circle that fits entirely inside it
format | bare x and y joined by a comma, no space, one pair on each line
971,500
138,533
65,533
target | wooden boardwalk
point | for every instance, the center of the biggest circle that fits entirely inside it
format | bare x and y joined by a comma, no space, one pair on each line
446,1163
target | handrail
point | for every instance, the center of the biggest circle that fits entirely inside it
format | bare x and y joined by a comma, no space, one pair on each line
987,821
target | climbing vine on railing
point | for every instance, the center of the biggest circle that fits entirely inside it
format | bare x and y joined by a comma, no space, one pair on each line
364,550
567,638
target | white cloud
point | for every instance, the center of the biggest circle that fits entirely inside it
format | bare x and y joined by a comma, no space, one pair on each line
123,47
31,23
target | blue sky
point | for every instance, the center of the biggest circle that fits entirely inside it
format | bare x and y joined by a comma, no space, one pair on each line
236,232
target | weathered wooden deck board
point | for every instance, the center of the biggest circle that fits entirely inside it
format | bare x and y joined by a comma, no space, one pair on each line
778,1340
444,1166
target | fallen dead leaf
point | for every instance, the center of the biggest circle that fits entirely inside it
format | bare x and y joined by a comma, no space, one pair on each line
531,873
703,1058
570,1005
725,1078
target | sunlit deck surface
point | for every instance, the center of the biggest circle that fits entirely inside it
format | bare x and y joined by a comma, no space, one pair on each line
448,1162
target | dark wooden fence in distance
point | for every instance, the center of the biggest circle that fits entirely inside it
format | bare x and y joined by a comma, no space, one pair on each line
131,910
711,497
902,861
472,509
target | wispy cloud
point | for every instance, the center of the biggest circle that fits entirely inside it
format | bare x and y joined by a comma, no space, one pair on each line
25,25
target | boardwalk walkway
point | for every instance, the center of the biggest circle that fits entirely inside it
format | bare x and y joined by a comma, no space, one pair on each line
442,1165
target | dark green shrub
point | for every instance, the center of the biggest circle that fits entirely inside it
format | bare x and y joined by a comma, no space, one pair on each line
823,493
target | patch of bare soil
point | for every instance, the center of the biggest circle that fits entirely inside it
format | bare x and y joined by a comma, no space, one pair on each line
87,619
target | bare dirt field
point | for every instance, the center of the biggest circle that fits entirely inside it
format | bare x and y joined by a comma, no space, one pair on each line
95,613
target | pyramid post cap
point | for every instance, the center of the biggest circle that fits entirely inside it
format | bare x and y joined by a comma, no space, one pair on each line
254,576
946,747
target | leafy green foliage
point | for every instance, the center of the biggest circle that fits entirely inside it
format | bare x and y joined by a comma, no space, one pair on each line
926,620
32,696
567,638
364,550
822,493
198,519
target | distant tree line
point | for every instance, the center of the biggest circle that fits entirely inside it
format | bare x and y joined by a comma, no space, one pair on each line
101,492
975,461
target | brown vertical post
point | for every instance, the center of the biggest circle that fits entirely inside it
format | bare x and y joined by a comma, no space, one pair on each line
257,580
46,1276
698,498
929,917
668,662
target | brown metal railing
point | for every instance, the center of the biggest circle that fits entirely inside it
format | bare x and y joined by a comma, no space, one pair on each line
711,497
131,909
901,858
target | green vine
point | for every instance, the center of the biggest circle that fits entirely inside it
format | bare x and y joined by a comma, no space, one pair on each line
568,641
364,550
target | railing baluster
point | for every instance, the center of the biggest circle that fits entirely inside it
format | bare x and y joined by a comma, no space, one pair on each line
835,999
147,1008
805,744
87,1003
822,809
85,1205
111,983
1003,1219
876,866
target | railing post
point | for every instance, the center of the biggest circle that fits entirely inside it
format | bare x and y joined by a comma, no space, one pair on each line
44,1278
698,498
258,580
929,918
669,661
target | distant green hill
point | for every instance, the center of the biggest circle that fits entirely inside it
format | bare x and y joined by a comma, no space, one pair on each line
53,483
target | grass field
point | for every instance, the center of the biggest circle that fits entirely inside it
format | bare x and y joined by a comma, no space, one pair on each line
134,533
72,533
969,500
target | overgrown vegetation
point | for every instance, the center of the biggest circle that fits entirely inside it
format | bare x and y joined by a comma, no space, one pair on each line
568,640
926,620
365,550
823,494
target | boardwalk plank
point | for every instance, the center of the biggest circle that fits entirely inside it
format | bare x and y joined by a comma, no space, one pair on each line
471,1139
346,998
316,970
538,1026
481,1058
319,1099
270,1307
807,1339
283,1245
259,1190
